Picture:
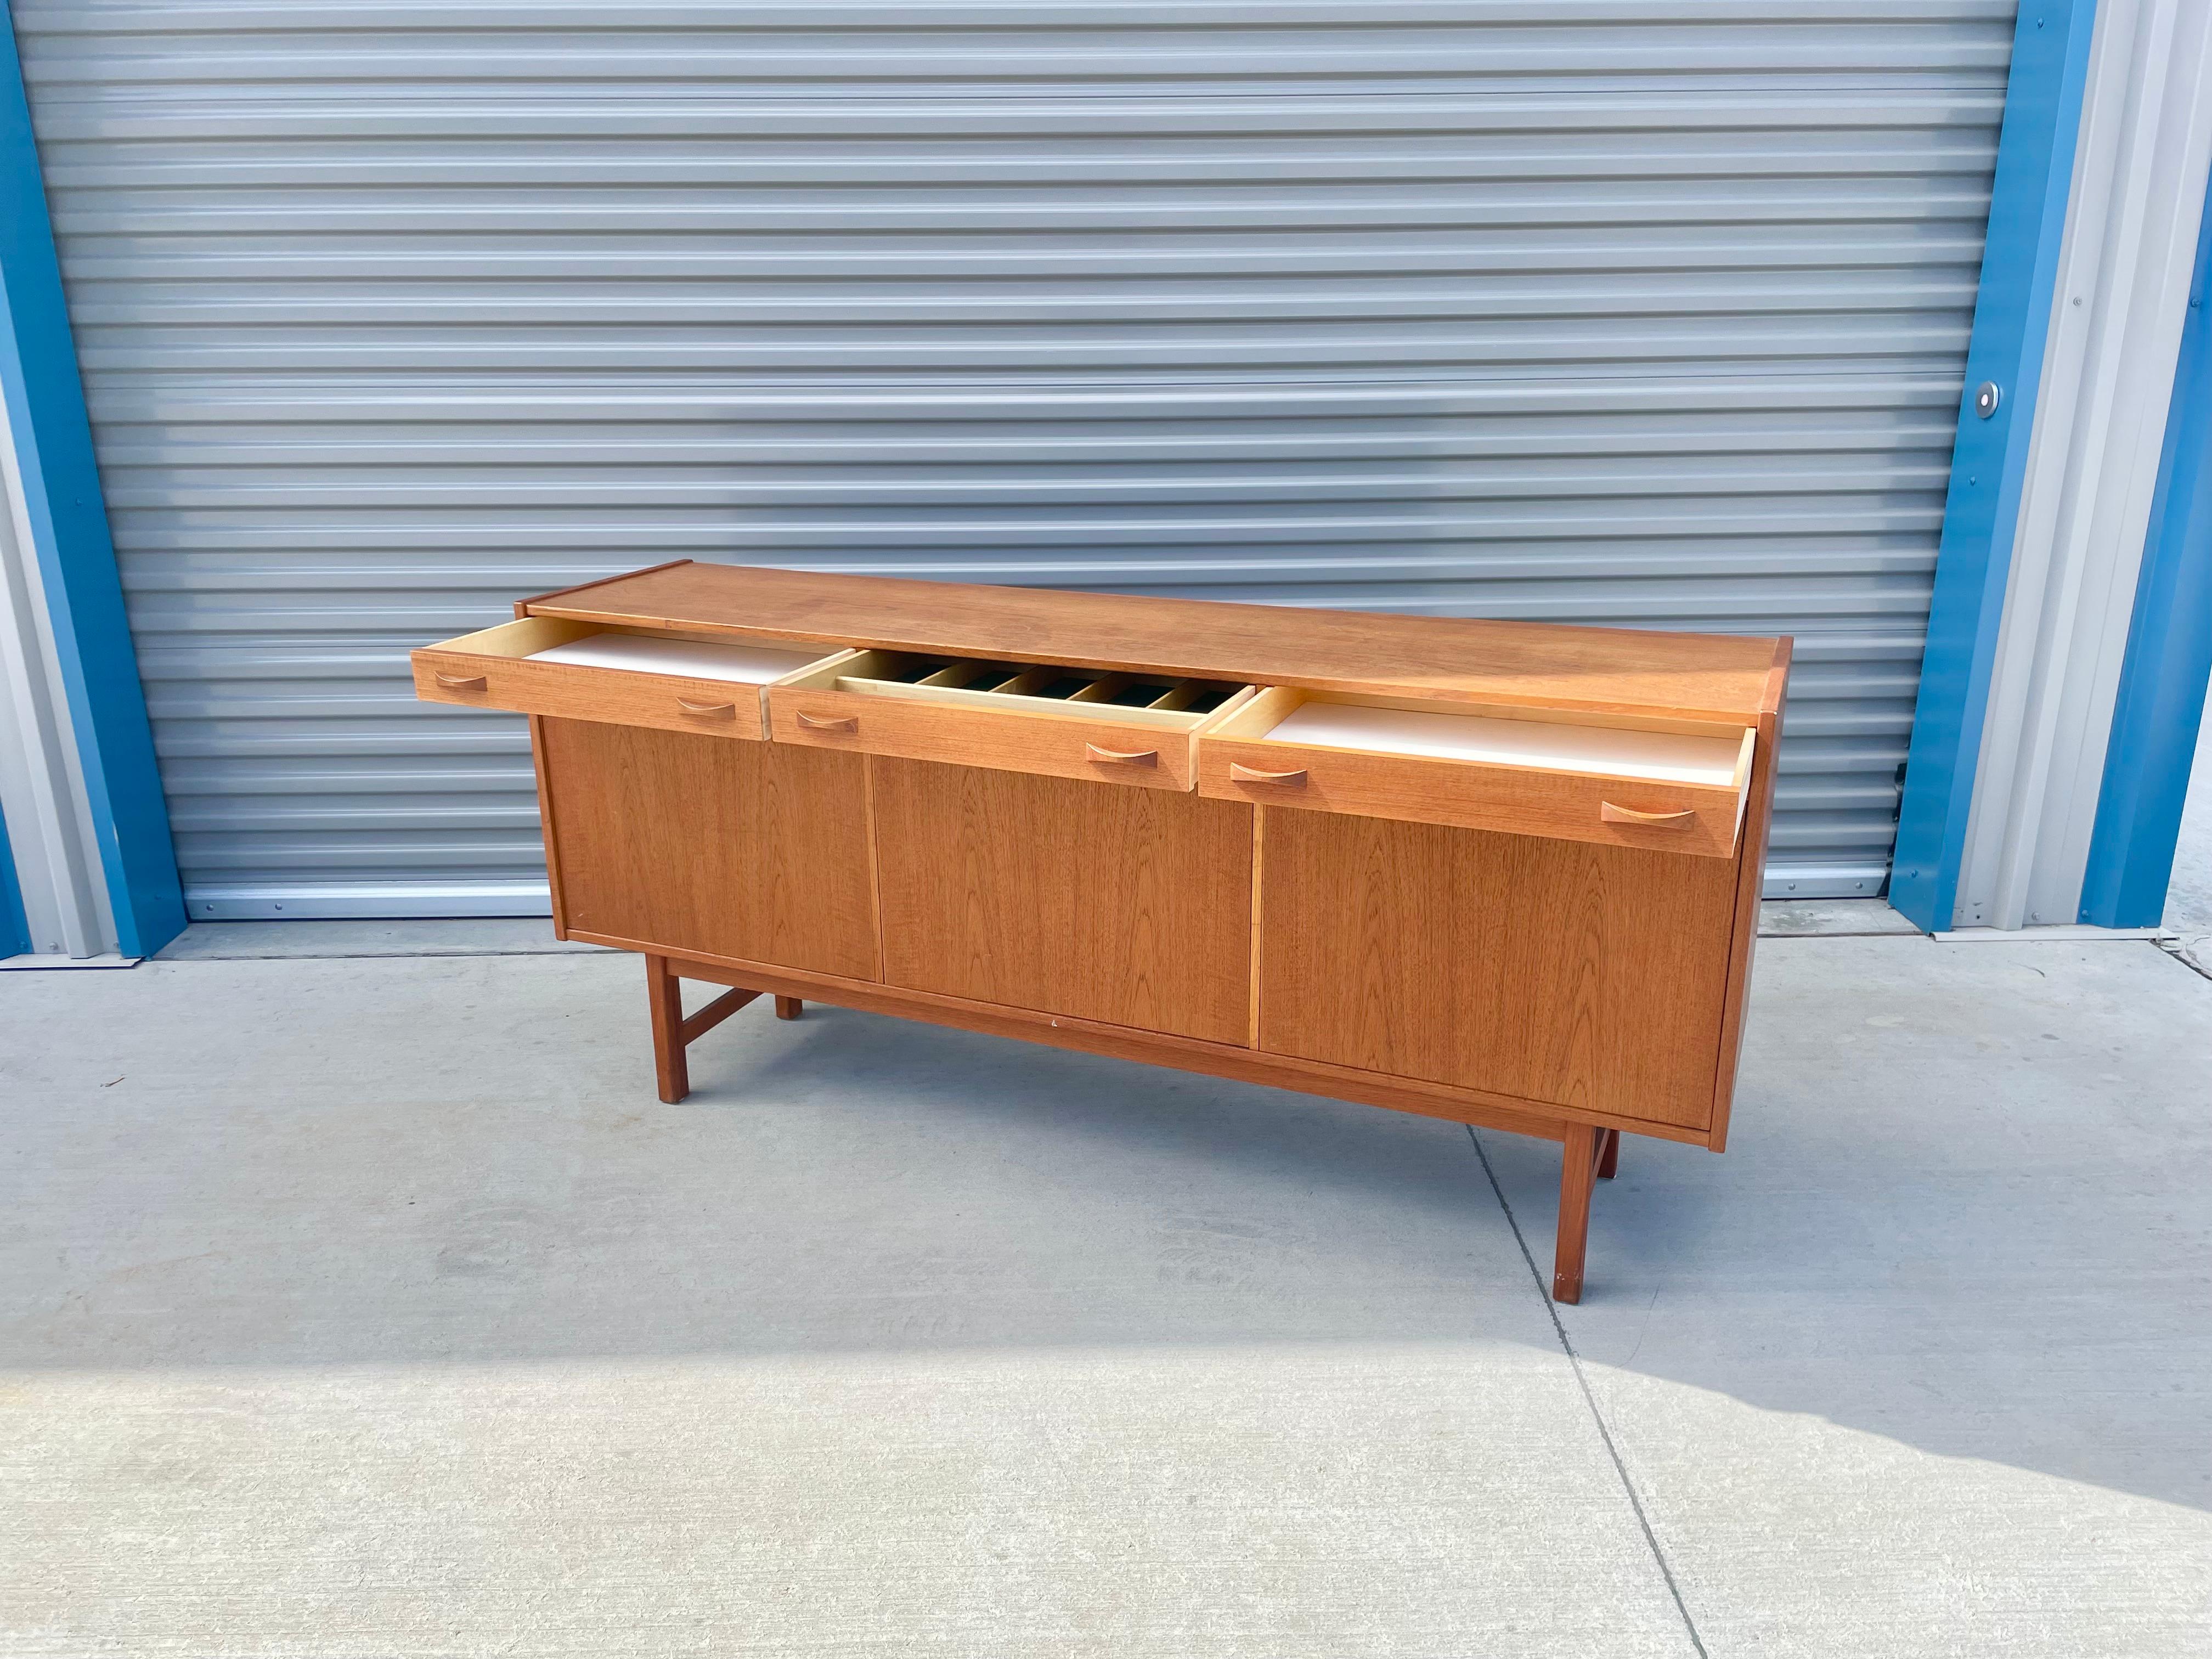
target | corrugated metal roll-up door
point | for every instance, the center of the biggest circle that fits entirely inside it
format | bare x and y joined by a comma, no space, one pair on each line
1643,312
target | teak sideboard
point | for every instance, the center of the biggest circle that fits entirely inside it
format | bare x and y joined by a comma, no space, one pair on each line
1502,873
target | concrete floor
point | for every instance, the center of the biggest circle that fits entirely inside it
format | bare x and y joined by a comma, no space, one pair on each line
372,1306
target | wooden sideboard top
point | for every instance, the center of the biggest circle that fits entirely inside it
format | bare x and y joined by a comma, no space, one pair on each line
1458,660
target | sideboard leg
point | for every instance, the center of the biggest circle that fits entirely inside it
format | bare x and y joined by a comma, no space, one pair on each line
664,995
788,1007
1578,1161
1609,1160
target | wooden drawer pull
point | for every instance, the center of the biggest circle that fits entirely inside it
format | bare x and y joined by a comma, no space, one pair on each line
1611,814
1122,756
713,711
1252,774
460,682
817,723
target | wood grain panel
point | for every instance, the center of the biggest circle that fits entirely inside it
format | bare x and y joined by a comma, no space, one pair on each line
693,843
495,669
546,824
1589,977
1154,1047
1533,664
1751,878
1130,907
1065,746
1470,795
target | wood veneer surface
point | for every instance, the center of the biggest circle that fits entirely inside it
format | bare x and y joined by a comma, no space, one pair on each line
1750,874
1503,799
1129,907
1154,1047
1060,742
1562,971
693,843
1538,665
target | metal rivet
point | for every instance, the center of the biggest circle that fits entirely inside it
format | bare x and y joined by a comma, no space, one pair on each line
1987,397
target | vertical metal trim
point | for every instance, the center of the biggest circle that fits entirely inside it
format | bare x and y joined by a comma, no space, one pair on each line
2093,464
2169,655
1989,462
68,520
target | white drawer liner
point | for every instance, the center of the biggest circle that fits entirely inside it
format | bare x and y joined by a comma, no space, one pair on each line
1666,757
745,664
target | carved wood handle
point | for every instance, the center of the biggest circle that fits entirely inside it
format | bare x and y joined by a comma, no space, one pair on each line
1122,756
1253,774
460,682
1611,814
817,723
713,711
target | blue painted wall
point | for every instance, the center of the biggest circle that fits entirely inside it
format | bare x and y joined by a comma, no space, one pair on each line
2012,320
2161,693
52,435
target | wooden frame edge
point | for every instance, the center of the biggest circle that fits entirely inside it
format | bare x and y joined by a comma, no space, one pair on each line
875,859
538,759
1415,693
1254,960
1750,881
1506,1113
522,606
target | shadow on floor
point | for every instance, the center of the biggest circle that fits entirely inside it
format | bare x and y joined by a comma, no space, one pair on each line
1958,1211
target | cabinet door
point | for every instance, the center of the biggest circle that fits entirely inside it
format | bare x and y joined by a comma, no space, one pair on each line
694,843
1129,906
1559,971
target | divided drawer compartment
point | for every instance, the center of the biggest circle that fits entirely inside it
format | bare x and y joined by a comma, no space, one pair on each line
587,671
1673,785
1133,728
1666,786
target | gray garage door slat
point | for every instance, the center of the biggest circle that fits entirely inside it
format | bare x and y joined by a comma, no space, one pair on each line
1649,314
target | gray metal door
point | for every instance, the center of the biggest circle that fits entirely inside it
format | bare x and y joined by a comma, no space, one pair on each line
1648,314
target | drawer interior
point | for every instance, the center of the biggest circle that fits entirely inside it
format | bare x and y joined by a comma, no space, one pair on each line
591,644
698,659
1137,698
1658,752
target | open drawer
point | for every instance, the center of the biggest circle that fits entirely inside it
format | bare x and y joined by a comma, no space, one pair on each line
625,676
1666,786
1131,728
